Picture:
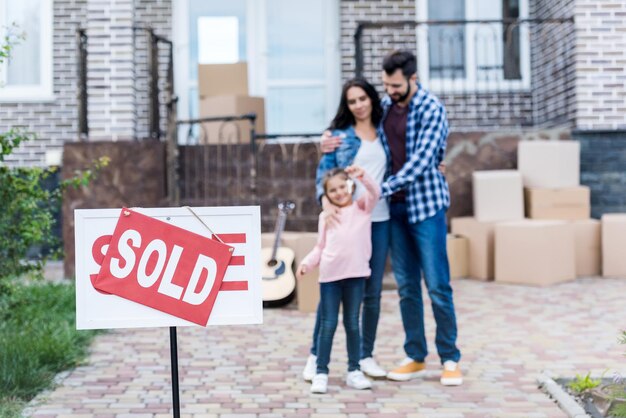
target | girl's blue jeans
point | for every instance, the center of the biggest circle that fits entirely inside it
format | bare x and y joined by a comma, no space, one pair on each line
349,293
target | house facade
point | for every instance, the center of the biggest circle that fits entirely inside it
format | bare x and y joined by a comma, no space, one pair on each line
559,74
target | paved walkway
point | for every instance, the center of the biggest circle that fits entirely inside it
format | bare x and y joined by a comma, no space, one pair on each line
508,334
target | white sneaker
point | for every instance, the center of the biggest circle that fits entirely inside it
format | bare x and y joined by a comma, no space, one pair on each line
371,368
310,368
357,380
451,374
319,383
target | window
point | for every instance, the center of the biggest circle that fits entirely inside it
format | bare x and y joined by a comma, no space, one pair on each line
473,56
27,74
292,61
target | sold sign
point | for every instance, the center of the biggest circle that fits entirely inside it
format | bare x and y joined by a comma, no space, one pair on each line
164,267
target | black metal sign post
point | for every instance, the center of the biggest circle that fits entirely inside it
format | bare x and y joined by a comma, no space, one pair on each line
174,356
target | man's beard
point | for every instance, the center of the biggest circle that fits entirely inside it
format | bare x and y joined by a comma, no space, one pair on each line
405,95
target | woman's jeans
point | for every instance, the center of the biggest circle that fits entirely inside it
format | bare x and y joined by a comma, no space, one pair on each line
373,288
418,248
349,293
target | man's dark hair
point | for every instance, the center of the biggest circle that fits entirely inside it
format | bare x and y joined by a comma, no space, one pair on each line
404,60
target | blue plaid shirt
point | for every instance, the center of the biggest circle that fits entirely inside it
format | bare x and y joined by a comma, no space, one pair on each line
426,132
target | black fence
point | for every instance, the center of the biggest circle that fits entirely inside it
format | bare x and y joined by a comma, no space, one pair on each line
221,161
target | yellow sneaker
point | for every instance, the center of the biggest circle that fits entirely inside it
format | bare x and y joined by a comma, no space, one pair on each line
451,374
409,369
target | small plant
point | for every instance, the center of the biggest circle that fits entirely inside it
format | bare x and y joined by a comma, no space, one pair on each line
583,383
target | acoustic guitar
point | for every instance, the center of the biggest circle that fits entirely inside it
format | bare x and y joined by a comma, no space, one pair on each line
279,282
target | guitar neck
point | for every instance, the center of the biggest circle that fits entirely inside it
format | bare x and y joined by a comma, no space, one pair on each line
280,225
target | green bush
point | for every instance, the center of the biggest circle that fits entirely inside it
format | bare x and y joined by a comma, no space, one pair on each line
26,218
27,211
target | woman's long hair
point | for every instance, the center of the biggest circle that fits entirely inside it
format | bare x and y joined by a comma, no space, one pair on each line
344,117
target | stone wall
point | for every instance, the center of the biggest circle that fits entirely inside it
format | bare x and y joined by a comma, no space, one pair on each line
137,181
471,151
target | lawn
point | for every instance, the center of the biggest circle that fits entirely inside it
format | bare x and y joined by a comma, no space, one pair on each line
38,339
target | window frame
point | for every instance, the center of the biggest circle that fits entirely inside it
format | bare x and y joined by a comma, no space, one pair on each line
257,50
44,90
469,84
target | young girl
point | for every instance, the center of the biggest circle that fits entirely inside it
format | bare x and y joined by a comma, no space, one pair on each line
343,253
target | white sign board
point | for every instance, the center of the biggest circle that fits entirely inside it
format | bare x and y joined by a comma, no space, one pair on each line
240,301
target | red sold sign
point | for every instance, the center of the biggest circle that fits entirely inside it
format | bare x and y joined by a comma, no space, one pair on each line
164,267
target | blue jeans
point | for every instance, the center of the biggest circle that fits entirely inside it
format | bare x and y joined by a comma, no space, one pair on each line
373,289
417,248
349,293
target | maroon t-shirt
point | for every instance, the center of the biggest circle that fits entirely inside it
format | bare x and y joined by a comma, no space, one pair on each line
395,131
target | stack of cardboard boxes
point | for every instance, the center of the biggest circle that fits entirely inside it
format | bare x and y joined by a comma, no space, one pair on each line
223,91
556,241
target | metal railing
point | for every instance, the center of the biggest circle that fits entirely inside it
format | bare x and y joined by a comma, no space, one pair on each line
160,88
489,73
222,161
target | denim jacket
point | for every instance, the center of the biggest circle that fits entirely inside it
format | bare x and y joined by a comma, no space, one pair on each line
341,157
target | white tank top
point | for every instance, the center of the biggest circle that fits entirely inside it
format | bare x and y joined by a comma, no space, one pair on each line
371,157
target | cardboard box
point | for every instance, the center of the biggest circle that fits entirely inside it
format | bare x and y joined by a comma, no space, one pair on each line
588,247
550,164
613,245
307,288
222,79
498,195
235,131
458,255
481,243
535,252
568,203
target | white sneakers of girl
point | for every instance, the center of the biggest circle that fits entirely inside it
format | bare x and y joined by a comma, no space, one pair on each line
371,368
310,368
319,384
357,380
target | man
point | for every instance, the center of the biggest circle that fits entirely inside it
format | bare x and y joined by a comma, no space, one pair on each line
414,131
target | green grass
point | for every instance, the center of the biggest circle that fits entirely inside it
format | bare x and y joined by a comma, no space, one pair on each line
618,411
38,339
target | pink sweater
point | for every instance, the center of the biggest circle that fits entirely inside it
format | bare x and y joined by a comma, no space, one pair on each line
344,251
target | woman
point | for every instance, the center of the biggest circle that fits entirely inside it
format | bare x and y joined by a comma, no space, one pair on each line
357,118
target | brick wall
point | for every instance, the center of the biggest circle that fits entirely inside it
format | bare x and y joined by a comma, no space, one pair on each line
548,103
602,162
118,82
375,43
55,121
118,65
600,64
110,52
552,58
156,14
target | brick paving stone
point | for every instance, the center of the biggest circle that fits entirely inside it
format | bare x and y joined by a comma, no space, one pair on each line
507,335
